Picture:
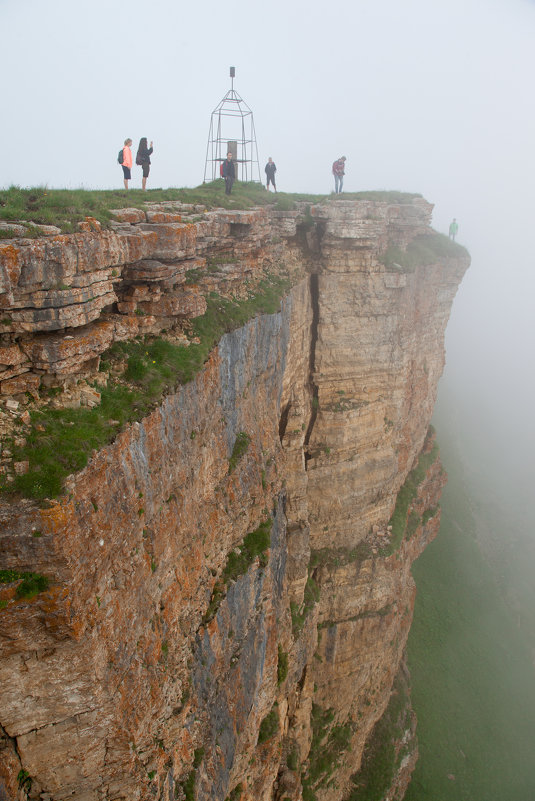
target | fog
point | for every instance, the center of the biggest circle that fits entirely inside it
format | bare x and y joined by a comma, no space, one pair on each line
433,97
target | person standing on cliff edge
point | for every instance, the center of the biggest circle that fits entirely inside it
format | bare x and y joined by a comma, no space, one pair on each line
229,173
126,163
143,159
454,227
339,172
270,170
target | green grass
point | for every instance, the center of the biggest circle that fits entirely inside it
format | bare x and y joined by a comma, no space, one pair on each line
239,449
64,208
337,557
472,672
299,613
292,759
269,725
236,793
422,250
154,368
31,585
282,665
329,743
188,786
380,760
402,523
255,544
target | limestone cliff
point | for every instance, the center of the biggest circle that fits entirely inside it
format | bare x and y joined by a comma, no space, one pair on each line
229,590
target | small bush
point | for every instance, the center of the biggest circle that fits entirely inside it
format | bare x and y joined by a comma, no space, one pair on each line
31,585
292,759
326,750
25,780
399,520
255,544
282,665
270,725
240,447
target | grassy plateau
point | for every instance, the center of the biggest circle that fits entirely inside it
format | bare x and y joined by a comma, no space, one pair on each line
64,208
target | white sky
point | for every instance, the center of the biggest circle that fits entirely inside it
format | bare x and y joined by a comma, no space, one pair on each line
432,96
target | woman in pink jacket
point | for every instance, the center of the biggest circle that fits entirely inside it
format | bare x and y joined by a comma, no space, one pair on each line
127,162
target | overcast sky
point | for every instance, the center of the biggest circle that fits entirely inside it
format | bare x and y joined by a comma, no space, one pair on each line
432,96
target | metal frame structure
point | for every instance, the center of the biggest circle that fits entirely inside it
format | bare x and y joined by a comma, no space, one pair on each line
232,126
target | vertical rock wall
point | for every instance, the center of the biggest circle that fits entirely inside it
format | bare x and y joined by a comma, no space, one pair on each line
219,628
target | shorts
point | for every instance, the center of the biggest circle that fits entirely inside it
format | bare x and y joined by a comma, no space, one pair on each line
146,170
126,172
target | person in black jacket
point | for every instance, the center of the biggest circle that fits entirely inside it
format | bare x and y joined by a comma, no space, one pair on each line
270,169
229,173
143,159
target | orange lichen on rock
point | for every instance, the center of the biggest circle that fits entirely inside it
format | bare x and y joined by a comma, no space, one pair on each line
199,615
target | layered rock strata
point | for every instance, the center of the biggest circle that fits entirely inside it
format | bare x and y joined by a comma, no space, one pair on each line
230,589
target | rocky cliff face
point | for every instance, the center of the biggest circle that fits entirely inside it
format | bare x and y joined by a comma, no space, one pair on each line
229,587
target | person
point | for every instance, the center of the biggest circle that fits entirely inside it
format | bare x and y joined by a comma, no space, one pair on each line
338,172
126,163
454,227
271,169
229,173
143,159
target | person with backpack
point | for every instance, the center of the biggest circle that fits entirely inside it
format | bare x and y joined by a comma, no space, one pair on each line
143,159
338,172
125,160
229,173
270,170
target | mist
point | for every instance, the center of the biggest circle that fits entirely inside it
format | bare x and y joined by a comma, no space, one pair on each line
429,97
426,97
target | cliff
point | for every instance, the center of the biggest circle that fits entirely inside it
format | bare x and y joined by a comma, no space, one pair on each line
221,596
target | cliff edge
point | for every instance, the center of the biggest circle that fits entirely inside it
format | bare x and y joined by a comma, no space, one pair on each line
209,597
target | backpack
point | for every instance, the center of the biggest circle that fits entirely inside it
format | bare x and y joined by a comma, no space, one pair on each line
120,156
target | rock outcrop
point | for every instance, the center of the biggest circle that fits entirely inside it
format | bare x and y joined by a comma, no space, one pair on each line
229,591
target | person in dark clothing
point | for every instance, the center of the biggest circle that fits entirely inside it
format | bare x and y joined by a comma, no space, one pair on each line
229,173
271,169
143,159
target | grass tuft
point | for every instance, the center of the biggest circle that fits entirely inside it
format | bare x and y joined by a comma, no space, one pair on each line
269,725
255,544
422,250
154,368
31,585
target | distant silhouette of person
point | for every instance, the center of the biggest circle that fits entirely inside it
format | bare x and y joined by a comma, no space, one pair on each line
270,169
229,173
339,172
143,159
454,227
127,162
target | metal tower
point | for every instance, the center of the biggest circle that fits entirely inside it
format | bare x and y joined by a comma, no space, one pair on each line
232,129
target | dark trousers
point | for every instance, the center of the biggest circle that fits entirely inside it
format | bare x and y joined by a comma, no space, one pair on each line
229,180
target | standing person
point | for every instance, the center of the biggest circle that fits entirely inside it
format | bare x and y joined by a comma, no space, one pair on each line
126,163
270,169
454,227
339,172
229,173
143,159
